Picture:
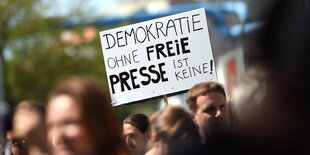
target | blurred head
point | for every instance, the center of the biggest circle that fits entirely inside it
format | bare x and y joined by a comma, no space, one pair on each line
207,102
136,132
249,95
81,120
29,132
282,48
174,127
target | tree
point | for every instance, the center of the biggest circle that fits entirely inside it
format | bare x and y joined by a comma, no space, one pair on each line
19,23
38,57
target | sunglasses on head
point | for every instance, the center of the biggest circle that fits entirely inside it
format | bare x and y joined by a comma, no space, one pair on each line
20,143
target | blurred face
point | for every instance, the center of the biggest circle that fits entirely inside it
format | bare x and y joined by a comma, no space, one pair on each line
211,114
27,126
66,134
136,141
25,121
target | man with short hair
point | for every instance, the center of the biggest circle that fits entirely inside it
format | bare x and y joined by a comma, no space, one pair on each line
207,103
136,133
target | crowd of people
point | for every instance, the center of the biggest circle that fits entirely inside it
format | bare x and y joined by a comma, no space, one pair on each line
79,119
267,112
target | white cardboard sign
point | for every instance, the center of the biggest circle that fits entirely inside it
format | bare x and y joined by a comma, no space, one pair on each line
157,57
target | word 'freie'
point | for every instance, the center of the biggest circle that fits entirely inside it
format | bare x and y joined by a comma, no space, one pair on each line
168,49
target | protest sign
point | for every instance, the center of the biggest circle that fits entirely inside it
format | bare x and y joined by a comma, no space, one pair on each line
157,57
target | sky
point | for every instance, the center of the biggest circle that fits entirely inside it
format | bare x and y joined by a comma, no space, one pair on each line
63,7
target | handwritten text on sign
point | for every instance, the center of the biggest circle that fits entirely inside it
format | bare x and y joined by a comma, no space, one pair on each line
157,57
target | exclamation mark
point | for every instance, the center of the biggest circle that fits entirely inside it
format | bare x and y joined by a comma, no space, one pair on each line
211,64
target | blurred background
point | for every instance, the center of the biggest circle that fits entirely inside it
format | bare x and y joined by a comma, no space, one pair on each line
42,41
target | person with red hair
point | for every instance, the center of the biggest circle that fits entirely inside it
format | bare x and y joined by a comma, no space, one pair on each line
81,120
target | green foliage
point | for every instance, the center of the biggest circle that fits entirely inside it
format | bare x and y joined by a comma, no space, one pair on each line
35,75
39,59
147,108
